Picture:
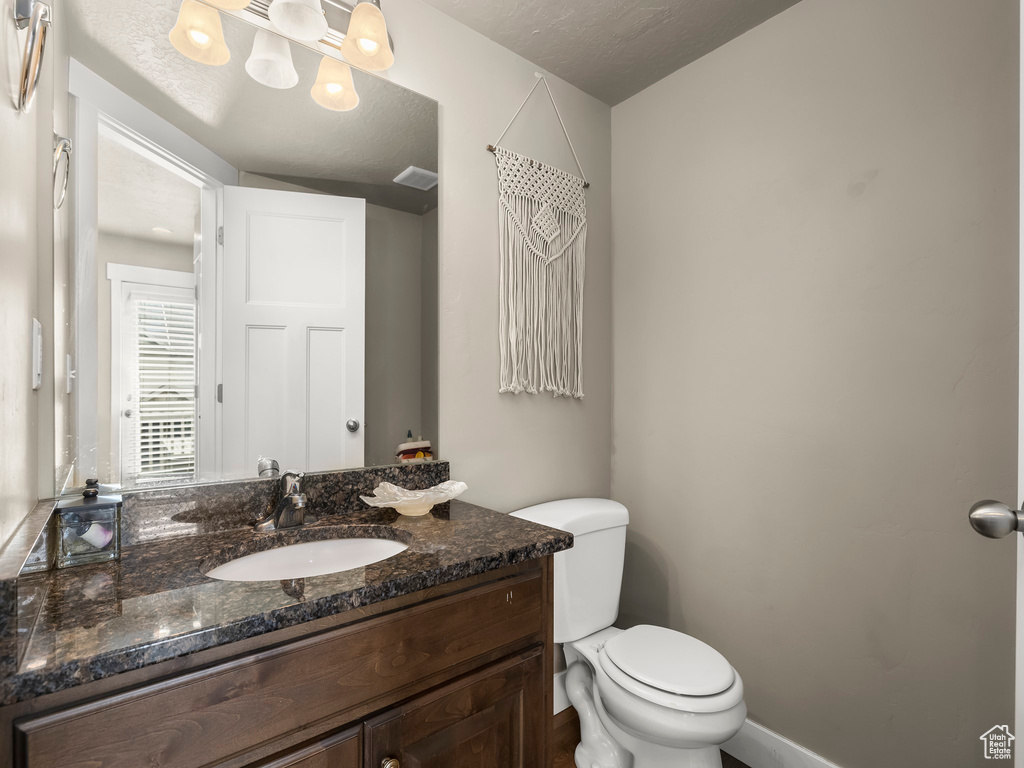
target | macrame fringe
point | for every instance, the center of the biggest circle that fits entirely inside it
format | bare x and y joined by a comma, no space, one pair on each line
542,238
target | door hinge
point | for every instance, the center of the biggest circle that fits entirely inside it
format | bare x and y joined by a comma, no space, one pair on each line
197,291
220,393
220,235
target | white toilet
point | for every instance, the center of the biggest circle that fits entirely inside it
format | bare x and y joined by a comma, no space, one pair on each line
647,697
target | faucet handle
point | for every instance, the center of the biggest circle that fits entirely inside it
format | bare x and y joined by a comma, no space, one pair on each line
291,482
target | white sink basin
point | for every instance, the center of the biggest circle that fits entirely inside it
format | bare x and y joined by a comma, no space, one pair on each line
311,558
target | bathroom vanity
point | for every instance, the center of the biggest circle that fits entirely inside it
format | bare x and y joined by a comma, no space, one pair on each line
438,656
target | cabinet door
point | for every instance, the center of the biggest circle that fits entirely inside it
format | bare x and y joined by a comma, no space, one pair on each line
494,718
340,750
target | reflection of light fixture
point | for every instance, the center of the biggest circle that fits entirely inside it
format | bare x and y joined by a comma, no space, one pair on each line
199,35
366,42
302,19
163,231
229,5
334,88
271,61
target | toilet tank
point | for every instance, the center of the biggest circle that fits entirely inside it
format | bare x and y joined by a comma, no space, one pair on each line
588,577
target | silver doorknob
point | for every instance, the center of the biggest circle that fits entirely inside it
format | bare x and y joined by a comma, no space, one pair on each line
128,413
995,520
353,426
389,762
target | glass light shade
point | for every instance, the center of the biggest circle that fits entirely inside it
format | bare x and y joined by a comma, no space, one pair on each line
334,88
270,62
302,19
230,5
198,34
366,42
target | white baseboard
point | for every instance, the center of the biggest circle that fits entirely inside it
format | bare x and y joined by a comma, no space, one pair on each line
758,747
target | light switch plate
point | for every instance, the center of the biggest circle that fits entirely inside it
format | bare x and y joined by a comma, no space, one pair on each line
37,354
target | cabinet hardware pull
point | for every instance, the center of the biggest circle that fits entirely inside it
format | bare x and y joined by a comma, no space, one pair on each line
389,762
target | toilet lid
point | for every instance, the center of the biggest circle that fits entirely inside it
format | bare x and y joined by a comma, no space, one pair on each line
670,661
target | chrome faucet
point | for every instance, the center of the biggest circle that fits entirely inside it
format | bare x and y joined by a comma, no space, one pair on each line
291,509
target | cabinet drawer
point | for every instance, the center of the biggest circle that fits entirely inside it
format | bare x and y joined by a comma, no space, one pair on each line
216,713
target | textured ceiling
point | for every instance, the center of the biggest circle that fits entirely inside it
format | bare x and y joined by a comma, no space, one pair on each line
136,194
255,128
612,49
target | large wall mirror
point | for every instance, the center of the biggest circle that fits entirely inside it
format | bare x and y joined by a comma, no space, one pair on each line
251,271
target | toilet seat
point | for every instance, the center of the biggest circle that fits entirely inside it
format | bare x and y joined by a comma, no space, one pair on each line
670,669
670,661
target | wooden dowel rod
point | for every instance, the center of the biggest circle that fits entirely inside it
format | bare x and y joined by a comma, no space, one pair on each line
490,148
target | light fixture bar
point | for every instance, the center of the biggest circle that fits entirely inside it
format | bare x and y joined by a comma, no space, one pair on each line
332,8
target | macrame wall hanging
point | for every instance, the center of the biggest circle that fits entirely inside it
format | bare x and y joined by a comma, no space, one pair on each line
542,222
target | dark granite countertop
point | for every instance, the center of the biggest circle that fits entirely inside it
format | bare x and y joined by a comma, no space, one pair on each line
155,603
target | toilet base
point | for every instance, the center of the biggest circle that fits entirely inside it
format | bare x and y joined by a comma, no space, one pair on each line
647,754
653,756
606,745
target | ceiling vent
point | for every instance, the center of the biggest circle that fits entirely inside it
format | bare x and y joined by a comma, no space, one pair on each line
417,178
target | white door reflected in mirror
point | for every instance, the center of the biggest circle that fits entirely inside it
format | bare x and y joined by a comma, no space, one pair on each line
293,329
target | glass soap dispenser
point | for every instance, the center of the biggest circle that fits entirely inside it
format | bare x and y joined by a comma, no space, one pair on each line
88,527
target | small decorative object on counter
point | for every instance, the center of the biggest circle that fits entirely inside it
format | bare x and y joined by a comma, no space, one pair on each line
414,503
414,451
87,528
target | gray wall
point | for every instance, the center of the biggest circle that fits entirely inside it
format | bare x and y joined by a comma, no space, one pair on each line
512,450
394,359
428,332
815,238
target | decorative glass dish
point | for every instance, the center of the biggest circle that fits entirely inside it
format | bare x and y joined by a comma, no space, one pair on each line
87,529
414,503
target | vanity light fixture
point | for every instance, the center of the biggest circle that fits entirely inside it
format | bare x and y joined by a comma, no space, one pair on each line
198,34
301,19
334,88
270,62
366,43
230,5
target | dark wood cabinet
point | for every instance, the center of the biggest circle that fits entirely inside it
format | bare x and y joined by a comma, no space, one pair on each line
494,718
341,750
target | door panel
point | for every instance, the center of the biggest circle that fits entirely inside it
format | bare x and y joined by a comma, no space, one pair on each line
316,267
292,330
266,382
494,718
326,396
